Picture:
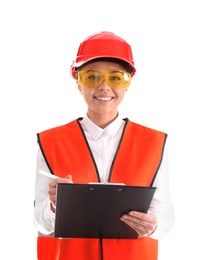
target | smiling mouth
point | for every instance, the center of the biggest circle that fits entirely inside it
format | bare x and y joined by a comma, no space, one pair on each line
104,98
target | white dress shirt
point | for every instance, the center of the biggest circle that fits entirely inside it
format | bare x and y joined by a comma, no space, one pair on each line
103,143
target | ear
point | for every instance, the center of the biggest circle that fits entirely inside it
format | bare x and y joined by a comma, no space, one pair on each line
79,87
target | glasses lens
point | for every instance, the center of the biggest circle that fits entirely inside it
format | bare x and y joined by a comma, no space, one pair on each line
118,79
94,78
90,78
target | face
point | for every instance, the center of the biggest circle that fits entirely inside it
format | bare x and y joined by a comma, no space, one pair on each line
103,100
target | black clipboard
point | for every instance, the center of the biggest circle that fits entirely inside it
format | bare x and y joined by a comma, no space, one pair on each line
93,211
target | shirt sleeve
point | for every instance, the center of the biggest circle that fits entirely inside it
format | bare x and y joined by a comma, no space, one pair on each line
161,204
44,217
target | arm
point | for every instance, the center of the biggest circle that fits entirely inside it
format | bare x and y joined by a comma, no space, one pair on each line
162,205
160,218
45,197
44,217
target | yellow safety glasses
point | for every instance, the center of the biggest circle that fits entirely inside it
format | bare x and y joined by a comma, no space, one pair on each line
93,78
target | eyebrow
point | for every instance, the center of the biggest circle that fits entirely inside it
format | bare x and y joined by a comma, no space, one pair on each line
98,70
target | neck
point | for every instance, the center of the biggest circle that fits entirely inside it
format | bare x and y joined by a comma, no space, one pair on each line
102,120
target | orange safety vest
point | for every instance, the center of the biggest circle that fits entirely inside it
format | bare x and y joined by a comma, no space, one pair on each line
136,162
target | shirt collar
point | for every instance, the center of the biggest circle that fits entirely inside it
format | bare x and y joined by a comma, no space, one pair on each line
95,131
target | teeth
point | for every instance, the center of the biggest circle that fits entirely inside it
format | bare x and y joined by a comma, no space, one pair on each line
104,98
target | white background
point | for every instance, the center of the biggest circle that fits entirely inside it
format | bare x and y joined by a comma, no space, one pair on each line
39,40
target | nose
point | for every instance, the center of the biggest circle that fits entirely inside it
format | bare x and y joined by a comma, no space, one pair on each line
104,86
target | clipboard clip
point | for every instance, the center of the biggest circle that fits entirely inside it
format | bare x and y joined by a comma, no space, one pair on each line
108,183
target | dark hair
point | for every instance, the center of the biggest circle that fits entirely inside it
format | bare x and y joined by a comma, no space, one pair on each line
124,64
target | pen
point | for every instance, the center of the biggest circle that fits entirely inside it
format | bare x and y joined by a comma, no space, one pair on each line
52,176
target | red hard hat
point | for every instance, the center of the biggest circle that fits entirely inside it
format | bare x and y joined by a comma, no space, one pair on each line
103,45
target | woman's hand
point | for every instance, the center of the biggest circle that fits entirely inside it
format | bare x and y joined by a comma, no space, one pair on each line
144,224
52,189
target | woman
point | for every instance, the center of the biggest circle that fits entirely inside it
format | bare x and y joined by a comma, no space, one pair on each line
103,147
